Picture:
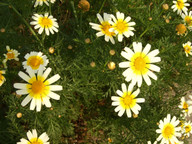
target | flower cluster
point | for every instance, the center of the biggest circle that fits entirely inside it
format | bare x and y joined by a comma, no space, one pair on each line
111,26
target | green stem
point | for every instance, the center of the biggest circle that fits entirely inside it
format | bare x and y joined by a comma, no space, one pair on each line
74,12
102,6
32,31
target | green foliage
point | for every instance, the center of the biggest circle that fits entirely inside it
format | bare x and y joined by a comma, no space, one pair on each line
84,112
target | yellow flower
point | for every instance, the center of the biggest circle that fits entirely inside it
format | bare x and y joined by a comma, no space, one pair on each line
46,22
38,89
104,27
34,139
168,130
2,78
140,64
181,29
122,26
127,101
179,6
187,48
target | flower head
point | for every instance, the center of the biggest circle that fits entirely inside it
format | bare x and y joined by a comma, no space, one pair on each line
37,88
10,55
104,27
187,48
179,6
122,26
127,100
35,60
181,29
187,128
40,2
34,139
184,105
139,64
187,18
46,22
168,130
2,78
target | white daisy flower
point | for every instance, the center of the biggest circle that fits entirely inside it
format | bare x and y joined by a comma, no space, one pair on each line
104,27
46,22
139,63
35,60
40,2
149,142
2,78
187,48
179,6
122,26
184,105
187,18
127,101
38,89
34,139
187,129
10,55
168,130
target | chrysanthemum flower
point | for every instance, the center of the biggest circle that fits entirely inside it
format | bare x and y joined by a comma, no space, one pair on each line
127,101
122,26
187,48
184,105
179,6
46,22
34,139
2,78
35,60
37,88
10,55
168,130
139,63
181,29
187,18
187,128
104,27
40,2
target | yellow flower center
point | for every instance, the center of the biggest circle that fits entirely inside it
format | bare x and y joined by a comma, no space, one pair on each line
121,26
127,101
105,26
187,128
187,48
10,55
2,78
188,20
180,4
35,141
185,106
38,87
34,62
168,131
45,22
140,63
181,29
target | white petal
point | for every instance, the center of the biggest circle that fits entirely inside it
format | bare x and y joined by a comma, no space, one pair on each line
153,53
115,98
44,137
117,108
24,76
140,100
121,112
47,102
120,37
100,18
147,79
128,111
40,30
152,75
26,100
120,93
137,47
54,96
124,64
99,34
22,92
129,52
29,135
154,68
55,87
33,104
38,103
147,49
155,59
135,93
46,73
53,79
20,85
